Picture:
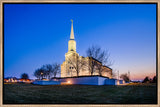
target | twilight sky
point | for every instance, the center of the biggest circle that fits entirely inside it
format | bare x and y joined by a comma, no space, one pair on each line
37,34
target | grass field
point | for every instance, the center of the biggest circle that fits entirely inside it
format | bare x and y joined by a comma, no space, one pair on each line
79,94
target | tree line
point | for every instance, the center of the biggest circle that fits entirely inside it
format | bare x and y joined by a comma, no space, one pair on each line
47,71
150,80
126,78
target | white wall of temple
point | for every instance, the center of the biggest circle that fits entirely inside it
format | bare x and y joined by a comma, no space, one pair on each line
68,70
63,69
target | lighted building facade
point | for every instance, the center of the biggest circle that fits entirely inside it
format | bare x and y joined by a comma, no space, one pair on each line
75,65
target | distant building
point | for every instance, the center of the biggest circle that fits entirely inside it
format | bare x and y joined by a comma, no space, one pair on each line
25,80
73,60
14,79
10,79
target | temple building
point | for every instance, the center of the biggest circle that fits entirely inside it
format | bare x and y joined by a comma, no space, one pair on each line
76,65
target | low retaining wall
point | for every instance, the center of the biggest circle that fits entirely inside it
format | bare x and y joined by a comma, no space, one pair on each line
47,82
101,80
111,82
90,80
95,80
81,80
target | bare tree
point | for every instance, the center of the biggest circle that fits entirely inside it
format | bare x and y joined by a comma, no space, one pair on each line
102,57
92,65
154,80
46,71
39,73
115,74
24,76
77,63
147,80
125,77
55,69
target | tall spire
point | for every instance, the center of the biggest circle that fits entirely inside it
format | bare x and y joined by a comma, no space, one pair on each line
72,42
72,32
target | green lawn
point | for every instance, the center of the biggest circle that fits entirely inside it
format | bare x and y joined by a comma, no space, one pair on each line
79,94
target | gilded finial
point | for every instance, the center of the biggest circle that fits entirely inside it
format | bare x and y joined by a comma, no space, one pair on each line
71,20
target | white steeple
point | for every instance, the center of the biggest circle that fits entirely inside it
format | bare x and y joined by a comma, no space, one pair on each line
72,42
72,32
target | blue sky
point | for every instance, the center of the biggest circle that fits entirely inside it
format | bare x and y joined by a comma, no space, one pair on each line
37,34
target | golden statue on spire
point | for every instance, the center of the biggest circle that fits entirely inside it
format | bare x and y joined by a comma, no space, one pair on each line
71,20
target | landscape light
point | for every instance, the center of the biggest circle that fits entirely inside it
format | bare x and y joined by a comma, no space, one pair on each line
118,82
68,82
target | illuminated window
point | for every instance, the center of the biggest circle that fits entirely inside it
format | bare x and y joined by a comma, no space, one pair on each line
70,67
